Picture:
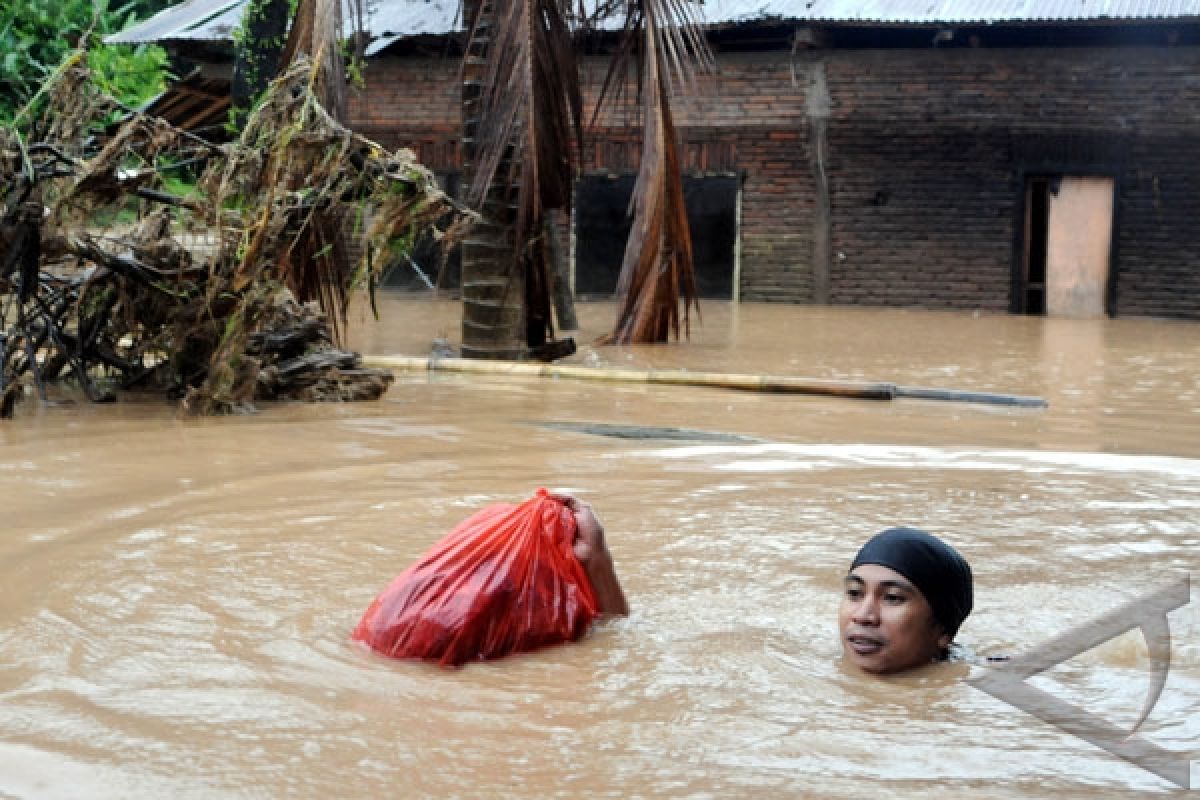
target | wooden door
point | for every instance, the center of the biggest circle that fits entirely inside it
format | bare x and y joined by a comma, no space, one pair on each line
1078,245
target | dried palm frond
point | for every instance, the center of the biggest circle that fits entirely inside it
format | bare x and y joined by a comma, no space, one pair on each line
317,266
663,39
531,104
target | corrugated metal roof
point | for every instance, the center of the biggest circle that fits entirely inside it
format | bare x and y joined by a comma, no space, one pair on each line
956,12
215,20
200,20
389,20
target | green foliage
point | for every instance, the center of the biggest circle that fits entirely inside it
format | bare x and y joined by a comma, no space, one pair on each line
180,186
36,35
133,75
354,66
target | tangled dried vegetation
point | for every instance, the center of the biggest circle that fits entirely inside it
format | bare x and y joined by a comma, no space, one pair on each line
230,290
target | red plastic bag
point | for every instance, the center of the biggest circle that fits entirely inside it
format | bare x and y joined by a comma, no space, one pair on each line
505,580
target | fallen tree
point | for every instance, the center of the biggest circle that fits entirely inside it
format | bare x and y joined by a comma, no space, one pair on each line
232,292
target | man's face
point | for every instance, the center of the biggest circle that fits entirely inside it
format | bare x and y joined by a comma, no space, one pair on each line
886,623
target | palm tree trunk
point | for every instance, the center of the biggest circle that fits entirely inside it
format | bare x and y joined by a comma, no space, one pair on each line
493,282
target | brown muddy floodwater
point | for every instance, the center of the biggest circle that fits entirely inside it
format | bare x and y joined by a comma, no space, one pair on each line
178,594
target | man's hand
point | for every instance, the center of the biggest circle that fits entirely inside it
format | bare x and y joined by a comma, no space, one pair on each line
589,533
592,552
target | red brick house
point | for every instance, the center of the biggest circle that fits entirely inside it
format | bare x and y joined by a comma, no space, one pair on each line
952,154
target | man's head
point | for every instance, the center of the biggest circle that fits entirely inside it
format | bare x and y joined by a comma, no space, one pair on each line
906,595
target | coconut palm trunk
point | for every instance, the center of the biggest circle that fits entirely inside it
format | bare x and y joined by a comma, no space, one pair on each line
493,288
521,110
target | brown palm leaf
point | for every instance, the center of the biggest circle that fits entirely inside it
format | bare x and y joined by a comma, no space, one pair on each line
317,266
664,40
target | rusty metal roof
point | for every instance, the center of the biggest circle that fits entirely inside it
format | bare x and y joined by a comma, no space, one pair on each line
389,20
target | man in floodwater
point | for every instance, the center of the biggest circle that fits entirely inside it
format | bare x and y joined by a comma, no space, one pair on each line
906,594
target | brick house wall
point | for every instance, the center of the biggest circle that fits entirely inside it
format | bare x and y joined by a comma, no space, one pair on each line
916,198
750,120
1159,227
928,149
413,102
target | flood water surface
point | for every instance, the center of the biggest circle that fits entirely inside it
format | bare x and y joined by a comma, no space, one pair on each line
178,594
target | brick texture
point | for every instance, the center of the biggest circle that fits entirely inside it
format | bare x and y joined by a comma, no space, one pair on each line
927,153
928,150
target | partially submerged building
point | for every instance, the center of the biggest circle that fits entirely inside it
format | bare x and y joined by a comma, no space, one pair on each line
1031,157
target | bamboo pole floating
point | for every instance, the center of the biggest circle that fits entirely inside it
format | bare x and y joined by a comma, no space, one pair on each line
782,384
677,377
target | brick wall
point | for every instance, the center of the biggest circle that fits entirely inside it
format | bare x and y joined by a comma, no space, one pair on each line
927,151
1158,245
750,120
913,224
412,101
756,103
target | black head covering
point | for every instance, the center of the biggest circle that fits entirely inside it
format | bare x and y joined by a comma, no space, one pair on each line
933,566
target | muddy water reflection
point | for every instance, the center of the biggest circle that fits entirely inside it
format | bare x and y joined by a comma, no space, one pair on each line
177,595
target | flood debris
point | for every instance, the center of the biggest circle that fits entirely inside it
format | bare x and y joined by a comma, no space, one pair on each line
134,256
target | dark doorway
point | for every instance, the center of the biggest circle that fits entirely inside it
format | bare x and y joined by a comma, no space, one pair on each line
1032,298
602,226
